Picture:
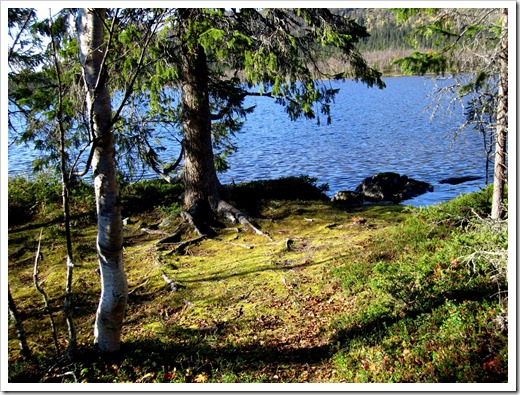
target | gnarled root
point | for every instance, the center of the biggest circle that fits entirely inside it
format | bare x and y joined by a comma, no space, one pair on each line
232,214
201,219
188,217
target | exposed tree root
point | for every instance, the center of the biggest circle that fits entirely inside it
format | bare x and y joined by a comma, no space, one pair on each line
153,231
201,219
190,219
175,237
182,246
229,212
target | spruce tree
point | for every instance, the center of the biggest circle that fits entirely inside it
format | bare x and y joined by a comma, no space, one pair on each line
215,58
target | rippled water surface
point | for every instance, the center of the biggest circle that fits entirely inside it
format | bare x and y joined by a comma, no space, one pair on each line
372,131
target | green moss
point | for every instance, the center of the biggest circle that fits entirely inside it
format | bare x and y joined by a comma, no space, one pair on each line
354,293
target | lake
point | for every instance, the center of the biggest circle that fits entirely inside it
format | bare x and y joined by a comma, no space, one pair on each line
372,131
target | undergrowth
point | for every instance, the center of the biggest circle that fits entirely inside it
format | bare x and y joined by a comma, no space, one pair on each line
368,294
432,299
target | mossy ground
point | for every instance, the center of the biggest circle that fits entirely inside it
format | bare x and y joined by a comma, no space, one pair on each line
251,310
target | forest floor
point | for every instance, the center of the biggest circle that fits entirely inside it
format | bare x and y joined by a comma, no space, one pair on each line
317,304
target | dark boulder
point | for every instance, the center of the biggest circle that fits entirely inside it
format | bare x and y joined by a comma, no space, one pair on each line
348,198
391,187
459,180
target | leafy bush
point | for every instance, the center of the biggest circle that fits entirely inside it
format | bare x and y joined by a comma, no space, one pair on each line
27,197
249,195
42,196
459,212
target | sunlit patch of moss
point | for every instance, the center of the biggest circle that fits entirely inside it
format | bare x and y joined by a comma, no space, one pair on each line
247,309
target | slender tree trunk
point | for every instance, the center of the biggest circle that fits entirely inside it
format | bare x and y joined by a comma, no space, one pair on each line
497,208
65,194
67,303
114,287
20,332
42,292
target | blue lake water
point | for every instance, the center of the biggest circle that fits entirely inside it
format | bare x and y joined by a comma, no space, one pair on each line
372,131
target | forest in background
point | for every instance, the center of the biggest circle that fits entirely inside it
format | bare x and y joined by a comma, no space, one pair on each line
391,40
388,39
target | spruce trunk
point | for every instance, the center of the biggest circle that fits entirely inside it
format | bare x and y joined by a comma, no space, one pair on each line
114,287
200,175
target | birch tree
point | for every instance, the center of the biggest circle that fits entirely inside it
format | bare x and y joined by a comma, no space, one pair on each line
497,208
114,287
72,120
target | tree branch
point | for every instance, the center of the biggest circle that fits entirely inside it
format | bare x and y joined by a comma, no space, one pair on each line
39,288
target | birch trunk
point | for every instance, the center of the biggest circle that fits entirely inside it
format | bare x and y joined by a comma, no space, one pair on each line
497,207
114,287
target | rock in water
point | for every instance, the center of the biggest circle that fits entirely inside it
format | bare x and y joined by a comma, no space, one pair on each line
458,180
391,187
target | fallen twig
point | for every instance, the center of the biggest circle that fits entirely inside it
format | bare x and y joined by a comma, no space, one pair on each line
67,374
139,286
240,245
232,229
20,332
330,226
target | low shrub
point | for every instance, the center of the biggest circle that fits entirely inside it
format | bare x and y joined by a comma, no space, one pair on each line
41,196
145,195
430,272
250,195
460,211
28,197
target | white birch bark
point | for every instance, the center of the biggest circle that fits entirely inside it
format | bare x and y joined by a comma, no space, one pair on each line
114,287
